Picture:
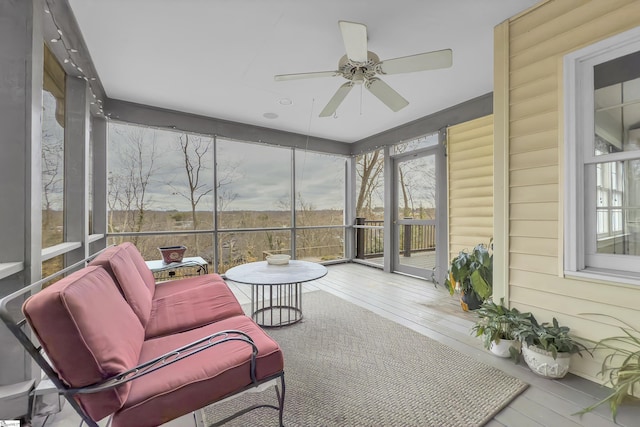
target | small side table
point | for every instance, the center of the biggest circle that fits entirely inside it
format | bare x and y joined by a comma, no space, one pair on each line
158,266
276,294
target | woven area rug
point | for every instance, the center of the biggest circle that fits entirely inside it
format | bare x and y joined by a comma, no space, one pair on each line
347,366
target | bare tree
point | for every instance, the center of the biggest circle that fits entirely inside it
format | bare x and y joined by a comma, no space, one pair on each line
130,177
194,150
52,163
370,167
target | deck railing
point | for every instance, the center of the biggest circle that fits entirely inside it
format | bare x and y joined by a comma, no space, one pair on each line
414,238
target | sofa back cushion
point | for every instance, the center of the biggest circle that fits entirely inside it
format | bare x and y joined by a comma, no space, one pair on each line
89,333
138,261
117,260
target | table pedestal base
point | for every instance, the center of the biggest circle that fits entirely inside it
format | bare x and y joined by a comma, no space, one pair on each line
276,305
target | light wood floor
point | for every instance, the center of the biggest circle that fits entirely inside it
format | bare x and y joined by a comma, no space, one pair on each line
430,310
417,304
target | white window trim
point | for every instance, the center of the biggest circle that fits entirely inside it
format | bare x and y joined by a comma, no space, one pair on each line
578,117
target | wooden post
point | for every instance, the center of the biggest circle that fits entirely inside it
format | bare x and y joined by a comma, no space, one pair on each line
407,239
360,239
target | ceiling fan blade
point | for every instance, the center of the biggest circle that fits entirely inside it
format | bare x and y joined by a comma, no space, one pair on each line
336,100
384,93
354,36
420,62
297,76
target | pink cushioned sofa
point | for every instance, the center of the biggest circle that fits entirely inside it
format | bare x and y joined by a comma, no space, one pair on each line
121,345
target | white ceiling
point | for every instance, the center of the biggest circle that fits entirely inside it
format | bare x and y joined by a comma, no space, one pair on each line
218,57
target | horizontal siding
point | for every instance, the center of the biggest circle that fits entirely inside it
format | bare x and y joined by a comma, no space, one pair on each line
539,175
534,142
470,186
537,228
548,84
534,211
539,16
534,246
574,28
534,159
537,41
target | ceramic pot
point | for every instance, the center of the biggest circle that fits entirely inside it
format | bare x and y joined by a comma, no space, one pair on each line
542,362
501,349
470,301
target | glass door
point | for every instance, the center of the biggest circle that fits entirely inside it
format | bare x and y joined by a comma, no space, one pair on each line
416,213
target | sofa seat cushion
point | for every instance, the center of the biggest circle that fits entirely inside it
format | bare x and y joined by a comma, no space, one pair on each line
188,303
200,379
89,333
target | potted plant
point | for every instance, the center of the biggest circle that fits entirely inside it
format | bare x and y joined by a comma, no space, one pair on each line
621,367
471,273
496,325
547,347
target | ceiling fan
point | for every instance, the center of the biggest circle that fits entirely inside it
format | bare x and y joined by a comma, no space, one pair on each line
360,67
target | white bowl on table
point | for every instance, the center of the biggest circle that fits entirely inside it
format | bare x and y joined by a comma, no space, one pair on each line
278,259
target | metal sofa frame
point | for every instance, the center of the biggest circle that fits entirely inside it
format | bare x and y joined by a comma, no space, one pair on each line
20,329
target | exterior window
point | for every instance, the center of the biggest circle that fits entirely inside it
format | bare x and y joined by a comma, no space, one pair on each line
602,90
53,90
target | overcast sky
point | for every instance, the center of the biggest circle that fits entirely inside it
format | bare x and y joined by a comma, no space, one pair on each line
256,176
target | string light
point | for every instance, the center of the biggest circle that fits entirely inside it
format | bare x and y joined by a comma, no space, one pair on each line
69,59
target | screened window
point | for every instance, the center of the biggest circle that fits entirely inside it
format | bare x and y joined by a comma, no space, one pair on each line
53,109
253,185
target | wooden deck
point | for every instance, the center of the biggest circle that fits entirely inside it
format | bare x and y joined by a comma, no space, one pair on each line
419,305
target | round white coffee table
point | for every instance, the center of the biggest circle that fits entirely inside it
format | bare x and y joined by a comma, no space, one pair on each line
276,294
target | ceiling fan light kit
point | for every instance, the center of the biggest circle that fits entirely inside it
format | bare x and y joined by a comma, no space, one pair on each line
360,67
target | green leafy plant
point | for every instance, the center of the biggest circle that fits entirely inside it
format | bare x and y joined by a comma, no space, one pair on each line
621,366
497,322
548,336
472,272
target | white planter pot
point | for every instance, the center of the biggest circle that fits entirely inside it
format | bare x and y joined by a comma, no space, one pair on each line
501,349
542,362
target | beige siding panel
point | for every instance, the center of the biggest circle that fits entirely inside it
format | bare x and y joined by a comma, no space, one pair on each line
470,134
534,193
536,263
534,211
480,234
481,174
548,229
534,246
481,191
537,71
535,88
566,303
543,175
538,40
534,159
610,294
472,153
541,104
539,16
534,124
465,202
534,142
470,183
473,211
578,27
